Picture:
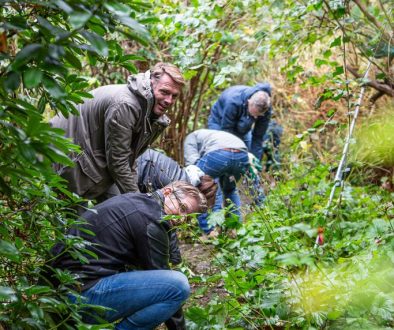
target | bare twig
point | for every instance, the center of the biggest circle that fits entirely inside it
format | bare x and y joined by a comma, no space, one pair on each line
372,19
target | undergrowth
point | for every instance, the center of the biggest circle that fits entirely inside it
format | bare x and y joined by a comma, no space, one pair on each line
277,277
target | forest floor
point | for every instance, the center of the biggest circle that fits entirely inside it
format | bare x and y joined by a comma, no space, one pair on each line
198,258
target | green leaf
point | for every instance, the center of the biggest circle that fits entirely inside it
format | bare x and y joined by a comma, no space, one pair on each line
73,60
12,81
26,54
8,250
134,25
131,57
79,18
53,88
37,289
319,62
117,8
97,42
135,36
336,42
333,315
318,123
129,66
330,112
218,80
338,71
327,53
32,78
7,294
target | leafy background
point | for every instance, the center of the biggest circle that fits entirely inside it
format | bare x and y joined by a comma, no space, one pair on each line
314,53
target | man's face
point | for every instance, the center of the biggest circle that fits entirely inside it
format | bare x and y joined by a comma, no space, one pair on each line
173,205
166,92
255,111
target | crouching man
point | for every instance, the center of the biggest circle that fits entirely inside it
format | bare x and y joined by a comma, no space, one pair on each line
129,233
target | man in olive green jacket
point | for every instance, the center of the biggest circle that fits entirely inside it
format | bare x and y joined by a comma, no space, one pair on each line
115,126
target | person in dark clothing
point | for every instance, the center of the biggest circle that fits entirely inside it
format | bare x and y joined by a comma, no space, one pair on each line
156,170
245,112
271,142
129,233
114,127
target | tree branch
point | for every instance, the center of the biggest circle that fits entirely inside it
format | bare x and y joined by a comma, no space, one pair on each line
384,88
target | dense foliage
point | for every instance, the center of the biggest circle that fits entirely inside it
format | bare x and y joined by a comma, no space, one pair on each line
314,53
44,45
276,276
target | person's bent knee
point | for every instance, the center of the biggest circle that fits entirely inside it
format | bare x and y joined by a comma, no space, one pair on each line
182,284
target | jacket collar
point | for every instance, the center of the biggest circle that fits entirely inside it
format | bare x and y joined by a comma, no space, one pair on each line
159,197
140,84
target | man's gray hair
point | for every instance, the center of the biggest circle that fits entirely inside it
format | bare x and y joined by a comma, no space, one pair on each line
261,100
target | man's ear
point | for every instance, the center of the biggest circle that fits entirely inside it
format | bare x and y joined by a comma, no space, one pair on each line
167,191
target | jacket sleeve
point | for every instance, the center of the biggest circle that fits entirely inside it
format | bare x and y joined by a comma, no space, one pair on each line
120,124
191,152
175,253
258,132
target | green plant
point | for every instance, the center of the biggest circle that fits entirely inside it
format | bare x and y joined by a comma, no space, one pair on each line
44,48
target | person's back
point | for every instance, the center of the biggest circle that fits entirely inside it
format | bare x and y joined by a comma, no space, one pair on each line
120,238
230,111
203,141
221,155
156,170
129,274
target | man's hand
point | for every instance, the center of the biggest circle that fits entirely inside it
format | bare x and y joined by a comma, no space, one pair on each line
209,188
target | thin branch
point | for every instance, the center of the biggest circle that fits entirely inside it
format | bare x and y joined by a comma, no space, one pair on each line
372,19
385,14
384,88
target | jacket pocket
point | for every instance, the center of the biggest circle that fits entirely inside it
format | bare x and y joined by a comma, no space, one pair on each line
83,176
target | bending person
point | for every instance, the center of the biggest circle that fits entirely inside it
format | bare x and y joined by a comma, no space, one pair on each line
115,126
129,233
245,112
223,156
156,170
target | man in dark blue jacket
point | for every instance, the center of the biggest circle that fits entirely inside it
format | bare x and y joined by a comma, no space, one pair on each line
245,112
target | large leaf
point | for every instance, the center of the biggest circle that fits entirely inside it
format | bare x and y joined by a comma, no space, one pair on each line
53,88
12,81
32,77
7,294
97,42
78,18
9,251
26,54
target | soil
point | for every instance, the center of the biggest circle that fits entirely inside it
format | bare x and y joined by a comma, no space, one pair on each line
198,257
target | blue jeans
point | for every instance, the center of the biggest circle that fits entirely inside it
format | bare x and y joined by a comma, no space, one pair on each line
139,299
227,167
